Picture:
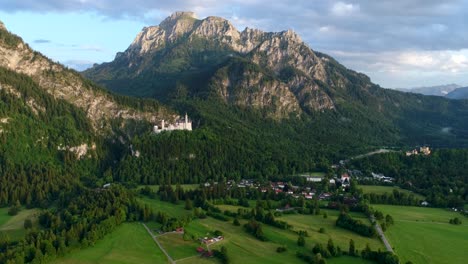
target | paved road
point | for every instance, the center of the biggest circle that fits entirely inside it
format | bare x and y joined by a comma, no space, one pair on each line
381,234
159,245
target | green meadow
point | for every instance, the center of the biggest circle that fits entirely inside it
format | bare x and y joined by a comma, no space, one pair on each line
129,243
244,248
424,235
13,226
387,189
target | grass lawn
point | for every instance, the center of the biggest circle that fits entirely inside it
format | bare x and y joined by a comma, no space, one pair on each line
173,210
4,216
340,236
387,189
186,187
423,235
244,248
348,260
177,247
129,243
13,226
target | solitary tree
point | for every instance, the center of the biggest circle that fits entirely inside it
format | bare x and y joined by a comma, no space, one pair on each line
301,241
188,204
28,224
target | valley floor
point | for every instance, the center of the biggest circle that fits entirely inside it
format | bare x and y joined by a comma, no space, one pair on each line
424,235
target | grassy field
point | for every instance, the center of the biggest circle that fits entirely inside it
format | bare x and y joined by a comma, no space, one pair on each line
186,187
129,243
387,189
173,210
313,223
137,246
423,235
4,216
177,247
340,236
13,226
348,260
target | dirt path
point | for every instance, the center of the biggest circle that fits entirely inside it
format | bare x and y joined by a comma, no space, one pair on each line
381,234
159,245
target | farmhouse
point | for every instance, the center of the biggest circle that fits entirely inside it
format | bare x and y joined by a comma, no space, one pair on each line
345,180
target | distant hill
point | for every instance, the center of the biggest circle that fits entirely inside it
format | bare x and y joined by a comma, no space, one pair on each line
439,90
459,93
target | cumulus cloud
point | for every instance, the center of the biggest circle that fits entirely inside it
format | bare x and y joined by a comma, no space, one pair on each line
387,34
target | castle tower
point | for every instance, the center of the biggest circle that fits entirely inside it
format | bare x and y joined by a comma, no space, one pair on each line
186,121
162,125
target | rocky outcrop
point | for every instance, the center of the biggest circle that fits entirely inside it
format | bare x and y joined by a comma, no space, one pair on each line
295,69
62,83
80,151
252,88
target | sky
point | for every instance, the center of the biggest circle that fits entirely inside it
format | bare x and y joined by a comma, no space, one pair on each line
397,43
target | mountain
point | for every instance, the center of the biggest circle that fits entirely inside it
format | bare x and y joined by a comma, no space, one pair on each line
57,129
439,90
459,93
264,104
99,105
277,74
184,56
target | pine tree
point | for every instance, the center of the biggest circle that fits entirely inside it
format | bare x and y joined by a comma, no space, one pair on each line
352,248
301,241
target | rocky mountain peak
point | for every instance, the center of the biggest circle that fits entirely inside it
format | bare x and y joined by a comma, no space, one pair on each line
216,28
291,35
183,44
176,18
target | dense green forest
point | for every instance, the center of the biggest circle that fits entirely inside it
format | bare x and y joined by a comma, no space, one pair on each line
442,176
233,143
35,128
81,217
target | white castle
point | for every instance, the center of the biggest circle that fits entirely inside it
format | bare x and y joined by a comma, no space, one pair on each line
181,124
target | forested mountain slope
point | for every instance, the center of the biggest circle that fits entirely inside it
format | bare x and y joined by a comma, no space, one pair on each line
204,65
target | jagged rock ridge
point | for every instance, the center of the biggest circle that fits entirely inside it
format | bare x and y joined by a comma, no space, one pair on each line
183,45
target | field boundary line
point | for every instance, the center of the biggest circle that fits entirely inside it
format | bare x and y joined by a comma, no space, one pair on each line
159,245
381,234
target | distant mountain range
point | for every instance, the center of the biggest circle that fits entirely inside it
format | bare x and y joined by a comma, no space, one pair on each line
459,93
451,91
438,90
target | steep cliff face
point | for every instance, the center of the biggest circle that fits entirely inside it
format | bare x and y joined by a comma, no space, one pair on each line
246,85
99,105
185,51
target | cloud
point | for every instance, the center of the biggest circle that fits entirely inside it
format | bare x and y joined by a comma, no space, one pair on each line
423,34
344,9
41,41
413,67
